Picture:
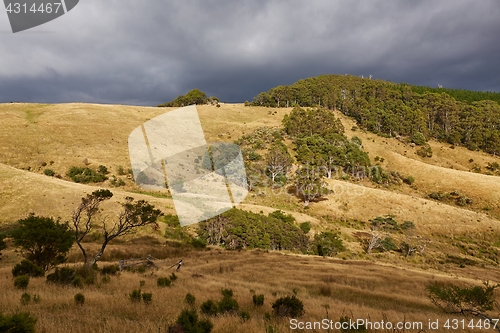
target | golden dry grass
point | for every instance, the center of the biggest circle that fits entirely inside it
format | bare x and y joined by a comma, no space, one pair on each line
355,288
387,285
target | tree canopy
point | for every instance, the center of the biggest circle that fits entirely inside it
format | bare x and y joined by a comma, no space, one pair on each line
469,118
43,240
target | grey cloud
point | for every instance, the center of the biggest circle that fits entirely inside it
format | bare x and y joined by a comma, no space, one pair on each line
134,52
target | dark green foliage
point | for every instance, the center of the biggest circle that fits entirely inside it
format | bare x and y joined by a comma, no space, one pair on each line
135,295
190,299
173,228
194,96
241,229
227,292
473,300
25,298
43,240
228,303
301,123
288,307
110,270
209,308
198,243
17,323
455,116
21,282
280,215
79,299
409,180
309,184
386,223
407,225
3,246
49,172
418,139
29,268
244,315
188,322
305,227
147,298
388,244
102,170
327,243
425,151
173,277
163,282
85,175
62,276
258,300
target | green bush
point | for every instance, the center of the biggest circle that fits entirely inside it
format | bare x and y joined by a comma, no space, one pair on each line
198,243
77,282
425,151
407,225
17,323
388,244
29,268
188,322
85,175
227,292
244,315
25,298
163,282
190,299
288,307
228,304
305,227
21,282
418,139
409,180
327,243
258,300
463,201
49,172
110,269
79,299
209,308
173,277
147,298
135,295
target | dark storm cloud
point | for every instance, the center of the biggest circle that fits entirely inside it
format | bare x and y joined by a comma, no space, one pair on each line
136,52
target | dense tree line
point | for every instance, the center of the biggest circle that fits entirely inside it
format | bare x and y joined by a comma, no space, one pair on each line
455,116
194,96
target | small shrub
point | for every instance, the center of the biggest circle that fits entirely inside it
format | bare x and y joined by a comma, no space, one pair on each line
305,227
188,322
173,277
409,180
198,243
142,283
102,169
209,308
135,295
36,298
141,269
463,201
121,172
106,279
85,175
190,299
258,300
79,299
406,225
288,307
19,322
244,315
21,282
77,282
49,172
418,139
227,292
163,282
147,298
388,244
110,270
425,151
228,304
29,268
25,298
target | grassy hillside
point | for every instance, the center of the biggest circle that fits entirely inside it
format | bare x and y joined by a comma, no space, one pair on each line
463,245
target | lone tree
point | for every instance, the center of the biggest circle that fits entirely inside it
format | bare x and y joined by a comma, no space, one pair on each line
474,301
134,214
278,161
43,240
309,183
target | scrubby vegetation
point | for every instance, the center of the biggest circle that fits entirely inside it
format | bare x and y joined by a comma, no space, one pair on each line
393,109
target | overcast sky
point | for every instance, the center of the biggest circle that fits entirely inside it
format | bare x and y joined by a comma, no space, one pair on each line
149,52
